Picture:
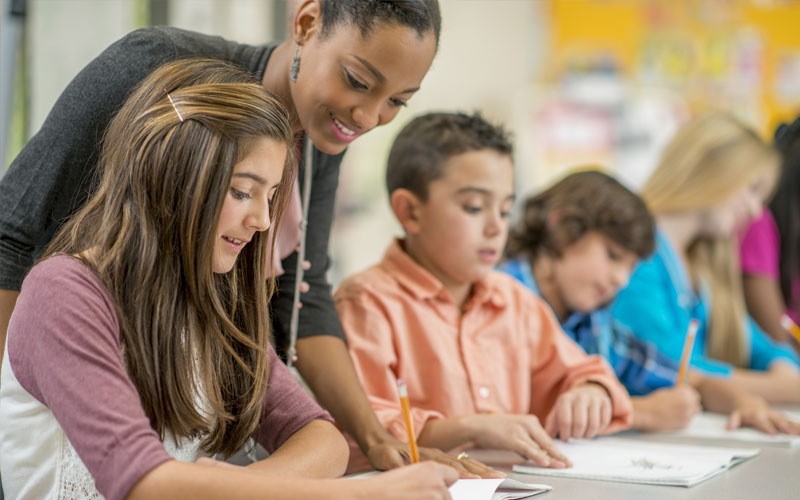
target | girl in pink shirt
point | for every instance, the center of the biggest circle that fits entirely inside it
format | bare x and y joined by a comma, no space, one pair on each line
770,247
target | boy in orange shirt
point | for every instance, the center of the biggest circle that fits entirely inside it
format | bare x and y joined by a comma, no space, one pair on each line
485,360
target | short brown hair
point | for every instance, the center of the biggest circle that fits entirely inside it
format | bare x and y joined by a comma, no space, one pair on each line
582,202
426,142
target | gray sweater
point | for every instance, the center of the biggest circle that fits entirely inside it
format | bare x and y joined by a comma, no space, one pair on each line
53,174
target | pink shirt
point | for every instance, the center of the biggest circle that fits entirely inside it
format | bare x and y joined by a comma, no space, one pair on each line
760,254
505,353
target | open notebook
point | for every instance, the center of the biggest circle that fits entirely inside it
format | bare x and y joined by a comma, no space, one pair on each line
712,426
628,461
484,489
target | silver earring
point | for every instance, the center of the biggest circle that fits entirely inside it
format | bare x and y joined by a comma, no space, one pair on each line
295,64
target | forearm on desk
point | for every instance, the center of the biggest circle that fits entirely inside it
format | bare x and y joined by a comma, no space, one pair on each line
178,480
318,450
326,366
718,394
777,385
8,298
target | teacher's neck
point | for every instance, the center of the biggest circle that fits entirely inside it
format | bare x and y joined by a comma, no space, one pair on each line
276,80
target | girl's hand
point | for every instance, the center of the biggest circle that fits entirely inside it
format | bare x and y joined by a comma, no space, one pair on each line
522,434
581,412
422,481
755,412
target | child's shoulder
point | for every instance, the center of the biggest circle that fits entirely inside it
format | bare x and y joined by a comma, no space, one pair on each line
63,277
511,290
374,280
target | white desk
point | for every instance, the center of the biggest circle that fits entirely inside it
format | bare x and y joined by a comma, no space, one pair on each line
773,475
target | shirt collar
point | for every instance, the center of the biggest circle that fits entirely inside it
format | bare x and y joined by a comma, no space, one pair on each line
423,285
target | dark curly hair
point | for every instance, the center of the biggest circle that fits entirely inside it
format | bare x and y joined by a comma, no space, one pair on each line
579,203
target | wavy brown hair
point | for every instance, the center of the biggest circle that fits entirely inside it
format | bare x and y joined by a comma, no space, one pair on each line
148,231
576,205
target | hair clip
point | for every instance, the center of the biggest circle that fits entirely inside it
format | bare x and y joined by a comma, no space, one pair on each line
174,106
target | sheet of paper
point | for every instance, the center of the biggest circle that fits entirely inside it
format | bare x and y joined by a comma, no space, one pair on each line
623,460
494,489
712,426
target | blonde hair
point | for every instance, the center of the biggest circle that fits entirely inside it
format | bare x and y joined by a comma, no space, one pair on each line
708,161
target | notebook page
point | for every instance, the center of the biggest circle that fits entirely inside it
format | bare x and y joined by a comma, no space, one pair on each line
494,489
712,426
621,460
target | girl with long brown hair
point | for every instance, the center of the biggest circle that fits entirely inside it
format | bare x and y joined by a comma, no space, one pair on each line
712,179
143,333
346,67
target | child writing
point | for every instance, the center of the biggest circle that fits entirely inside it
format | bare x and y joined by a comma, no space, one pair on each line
712,179
770,248
576,244
485,361
142,334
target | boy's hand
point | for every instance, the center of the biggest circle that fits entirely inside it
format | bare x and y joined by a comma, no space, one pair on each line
519,433
755,412
666,409
581,412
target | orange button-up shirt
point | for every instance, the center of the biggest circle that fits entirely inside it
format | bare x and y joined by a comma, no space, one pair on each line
505,353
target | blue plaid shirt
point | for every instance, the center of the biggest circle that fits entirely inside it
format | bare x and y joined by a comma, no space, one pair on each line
638,364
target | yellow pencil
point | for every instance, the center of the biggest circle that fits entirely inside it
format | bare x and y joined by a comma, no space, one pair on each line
412,440
791,327
688,345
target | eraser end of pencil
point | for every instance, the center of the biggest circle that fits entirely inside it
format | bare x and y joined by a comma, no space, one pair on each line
401,388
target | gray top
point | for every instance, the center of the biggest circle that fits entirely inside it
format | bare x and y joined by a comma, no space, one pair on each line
53,174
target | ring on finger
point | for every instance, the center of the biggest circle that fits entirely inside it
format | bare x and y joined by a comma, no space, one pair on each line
462,456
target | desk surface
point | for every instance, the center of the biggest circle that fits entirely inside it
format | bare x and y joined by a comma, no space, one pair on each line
773,475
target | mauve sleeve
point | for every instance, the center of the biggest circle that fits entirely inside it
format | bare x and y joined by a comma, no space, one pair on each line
64,349
287,407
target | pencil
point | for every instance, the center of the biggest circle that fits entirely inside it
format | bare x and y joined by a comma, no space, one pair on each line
412,440
791,327
687,350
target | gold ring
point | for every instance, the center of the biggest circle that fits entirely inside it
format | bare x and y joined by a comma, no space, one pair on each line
462,456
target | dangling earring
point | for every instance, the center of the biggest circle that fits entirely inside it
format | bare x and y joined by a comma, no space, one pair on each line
295,64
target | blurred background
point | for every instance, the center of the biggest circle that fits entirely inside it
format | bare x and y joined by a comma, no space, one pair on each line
578,82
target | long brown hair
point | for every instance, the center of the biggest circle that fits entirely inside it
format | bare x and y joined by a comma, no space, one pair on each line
709,161
148,231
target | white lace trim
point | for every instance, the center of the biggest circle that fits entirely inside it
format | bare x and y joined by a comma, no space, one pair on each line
73,480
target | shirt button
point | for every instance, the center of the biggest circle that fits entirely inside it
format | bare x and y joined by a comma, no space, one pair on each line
484,392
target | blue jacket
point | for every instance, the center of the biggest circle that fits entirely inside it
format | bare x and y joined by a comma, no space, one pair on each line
659,302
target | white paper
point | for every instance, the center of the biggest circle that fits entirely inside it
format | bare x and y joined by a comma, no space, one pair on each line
623,460
494,489
483,489
712,426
